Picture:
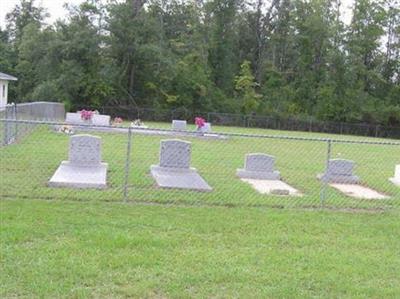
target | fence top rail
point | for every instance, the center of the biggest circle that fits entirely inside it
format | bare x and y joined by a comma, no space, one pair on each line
195,133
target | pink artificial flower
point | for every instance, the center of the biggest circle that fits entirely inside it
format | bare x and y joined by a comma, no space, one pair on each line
200,122
86,114
118,120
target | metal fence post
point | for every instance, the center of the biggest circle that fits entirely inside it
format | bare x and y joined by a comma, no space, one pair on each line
127,163
377,131
325,183
16,123
5,125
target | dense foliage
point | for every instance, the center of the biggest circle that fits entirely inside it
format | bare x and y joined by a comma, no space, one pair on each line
274,57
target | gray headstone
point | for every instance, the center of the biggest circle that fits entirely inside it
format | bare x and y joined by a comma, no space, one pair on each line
340,167
85,150
340,171
101,120
175,153
396,178
174,170
259,162
397,172
259,166
74,118
206,128
179,125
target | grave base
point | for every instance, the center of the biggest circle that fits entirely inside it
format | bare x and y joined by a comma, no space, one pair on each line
80,177
179,178
395,181
358,191
245,174
339,179
273,187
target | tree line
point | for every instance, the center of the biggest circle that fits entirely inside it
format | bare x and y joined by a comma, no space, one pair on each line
268,57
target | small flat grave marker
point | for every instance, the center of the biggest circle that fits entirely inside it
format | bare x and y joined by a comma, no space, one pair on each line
179,125
206,128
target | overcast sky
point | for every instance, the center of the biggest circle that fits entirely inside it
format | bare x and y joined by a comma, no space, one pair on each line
56,10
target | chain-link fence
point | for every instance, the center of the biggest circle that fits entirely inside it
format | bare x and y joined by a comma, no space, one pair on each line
305,124
154,165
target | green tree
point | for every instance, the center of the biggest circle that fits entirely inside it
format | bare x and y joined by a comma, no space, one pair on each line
245,85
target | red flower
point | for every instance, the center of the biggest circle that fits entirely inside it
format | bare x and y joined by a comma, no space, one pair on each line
200,122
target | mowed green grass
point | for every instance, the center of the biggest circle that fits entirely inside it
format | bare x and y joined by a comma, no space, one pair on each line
64,249
28,165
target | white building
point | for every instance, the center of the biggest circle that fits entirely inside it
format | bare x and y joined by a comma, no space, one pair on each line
4,78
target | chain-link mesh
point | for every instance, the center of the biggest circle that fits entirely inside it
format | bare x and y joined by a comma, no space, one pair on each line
29,161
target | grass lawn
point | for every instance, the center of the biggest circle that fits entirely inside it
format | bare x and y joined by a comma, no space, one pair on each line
63,249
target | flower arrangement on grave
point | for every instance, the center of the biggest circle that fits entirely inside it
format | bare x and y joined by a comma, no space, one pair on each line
117,121
138,123
87,114
199,122
66,130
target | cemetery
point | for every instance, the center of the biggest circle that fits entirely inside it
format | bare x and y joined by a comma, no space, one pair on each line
199,149
182,162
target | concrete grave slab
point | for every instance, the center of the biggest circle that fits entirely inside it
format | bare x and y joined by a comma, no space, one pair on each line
275,187
396,179
339,171
259,166
358,191
174,170
179,178
73,176
179,125
84,168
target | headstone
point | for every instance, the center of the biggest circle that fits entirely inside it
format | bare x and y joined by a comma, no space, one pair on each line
175,154
174,169
179,125
85,150
206,128
84,168
74,119
259,166
96,120
340,171
396,178
101,120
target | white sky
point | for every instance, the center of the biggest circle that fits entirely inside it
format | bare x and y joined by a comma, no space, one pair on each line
56,10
